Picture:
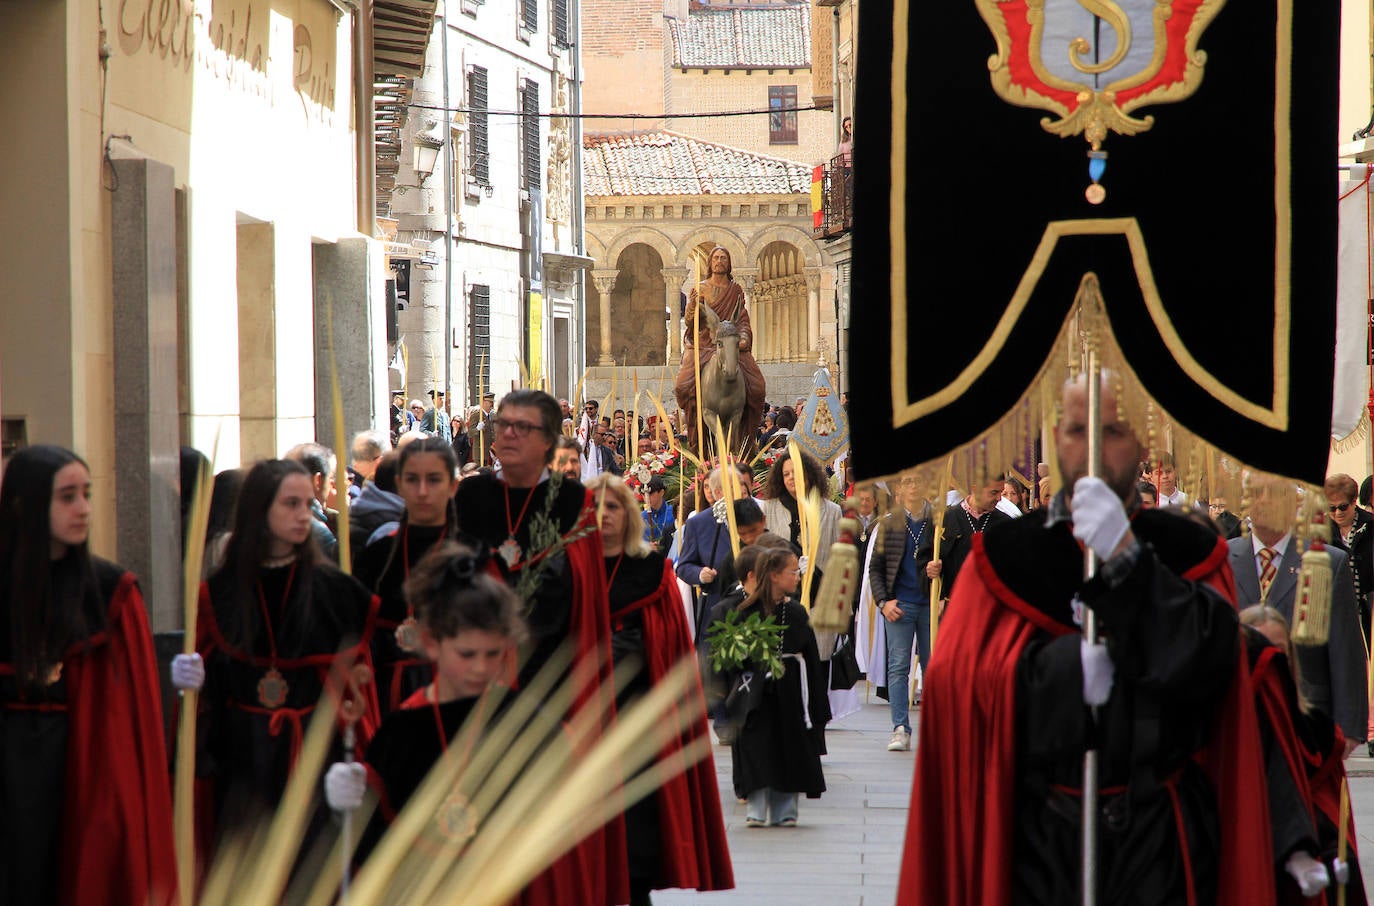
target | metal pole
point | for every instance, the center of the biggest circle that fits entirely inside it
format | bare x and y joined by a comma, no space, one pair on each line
1090,810
448,240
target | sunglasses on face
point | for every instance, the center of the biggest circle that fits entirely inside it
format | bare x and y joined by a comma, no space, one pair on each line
1339,507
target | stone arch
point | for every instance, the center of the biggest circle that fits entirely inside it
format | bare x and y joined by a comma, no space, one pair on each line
780,304
655,239
782,232
725,238
639,329
596,249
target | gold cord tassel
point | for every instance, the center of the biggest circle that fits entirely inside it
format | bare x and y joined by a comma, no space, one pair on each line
834,600
1313,610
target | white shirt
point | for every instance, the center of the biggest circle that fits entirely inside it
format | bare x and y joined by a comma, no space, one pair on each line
1008,507
1177,498
1280,545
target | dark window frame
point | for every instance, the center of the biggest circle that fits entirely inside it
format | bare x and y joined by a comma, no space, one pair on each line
782,124
479,341
479,136
531,171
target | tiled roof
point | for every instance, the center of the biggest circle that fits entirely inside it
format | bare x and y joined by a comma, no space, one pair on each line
665,163
758,37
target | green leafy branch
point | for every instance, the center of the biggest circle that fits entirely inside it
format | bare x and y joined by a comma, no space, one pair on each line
546,542
738,641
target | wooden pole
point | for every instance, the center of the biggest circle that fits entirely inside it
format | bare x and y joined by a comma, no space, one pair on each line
696,348
1090,756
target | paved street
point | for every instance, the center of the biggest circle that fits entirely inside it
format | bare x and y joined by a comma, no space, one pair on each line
846,848
847,845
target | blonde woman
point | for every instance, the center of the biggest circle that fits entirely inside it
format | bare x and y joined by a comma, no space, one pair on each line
648,622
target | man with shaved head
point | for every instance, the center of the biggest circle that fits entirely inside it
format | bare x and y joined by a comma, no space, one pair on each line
1014,696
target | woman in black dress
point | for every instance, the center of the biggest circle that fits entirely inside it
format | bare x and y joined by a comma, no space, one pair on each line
273,621
426,477
85,800
649,622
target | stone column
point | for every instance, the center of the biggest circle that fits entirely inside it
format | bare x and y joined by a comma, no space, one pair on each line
147,471
343,278
813,311
673,278
783,319
605,283
748,281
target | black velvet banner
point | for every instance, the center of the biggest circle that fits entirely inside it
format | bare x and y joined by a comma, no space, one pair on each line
1221,196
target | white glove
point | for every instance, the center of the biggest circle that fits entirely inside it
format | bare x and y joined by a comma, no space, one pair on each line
1308,872
1099,520
344,785
188,673
1098,672
1341,871
801,564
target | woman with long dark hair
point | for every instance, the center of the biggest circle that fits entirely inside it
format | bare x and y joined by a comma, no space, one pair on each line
274,618
648,624
780,504
426,477
84,793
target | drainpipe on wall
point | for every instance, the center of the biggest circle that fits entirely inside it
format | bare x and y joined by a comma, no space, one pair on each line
578,352
448,230
365,141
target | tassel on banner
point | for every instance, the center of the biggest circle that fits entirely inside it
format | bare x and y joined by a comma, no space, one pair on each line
1312,612
831,610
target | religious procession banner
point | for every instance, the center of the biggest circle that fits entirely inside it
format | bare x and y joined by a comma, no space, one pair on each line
823,429
1152,175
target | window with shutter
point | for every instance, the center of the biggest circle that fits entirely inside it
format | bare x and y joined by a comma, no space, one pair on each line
479,341
782,126
479,154
529,101
562,23
529,15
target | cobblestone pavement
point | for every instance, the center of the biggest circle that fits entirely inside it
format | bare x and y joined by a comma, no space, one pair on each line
847,845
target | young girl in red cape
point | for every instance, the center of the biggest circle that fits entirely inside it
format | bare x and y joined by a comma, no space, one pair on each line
85,799
469,627
274,620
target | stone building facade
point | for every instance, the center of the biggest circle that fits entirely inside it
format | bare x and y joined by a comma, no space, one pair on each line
657,203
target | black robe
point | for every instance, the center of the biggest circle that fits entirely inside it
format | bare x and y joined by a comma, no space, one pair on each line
635,578
33,746
959,529
400,756
1174,644
382,568
481,502
247,750
774,748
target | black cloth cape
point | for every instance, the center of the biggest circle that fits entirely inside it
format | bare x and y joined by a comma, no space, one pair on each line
382,568
245,750
774,748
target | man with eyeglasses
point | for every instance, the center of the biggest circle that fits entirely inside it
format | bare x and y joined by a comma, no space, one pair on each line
514,512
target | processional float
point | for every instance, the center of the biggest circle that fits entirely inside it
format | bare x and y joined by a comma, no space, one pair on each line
1140,189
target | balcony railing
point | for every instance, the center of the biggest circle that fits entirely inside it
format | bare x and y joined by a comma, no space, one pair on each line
837,197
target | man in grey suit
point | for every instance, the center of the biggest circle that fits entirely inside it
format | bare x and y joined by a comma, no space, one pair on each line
1266,565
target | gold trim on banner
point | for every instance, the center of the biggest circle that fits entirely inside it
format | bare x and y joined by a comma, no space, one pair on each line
1274,416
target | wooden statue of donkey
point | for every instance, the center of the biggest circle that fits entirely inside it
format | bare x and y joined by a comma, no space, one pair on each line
722,393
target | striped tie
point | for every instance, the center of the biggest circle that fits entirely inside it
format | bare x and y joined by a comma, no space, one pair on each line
1268,570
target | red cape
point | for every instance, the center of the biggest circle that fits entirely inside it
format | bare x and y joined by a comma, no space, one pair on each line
694,853
959,831
604,869
117,808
